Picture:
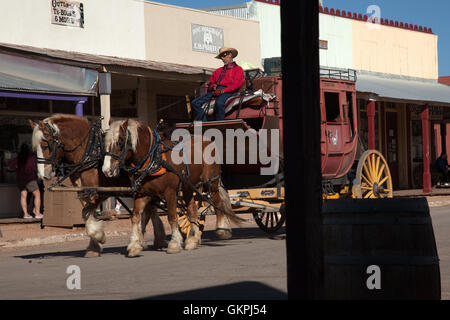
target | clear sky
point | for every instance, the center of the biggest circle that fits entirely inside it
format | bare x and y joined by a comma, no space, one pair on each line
433,14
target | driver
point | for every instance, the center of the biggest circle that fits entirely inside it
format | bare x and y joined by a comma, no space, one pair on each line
224,83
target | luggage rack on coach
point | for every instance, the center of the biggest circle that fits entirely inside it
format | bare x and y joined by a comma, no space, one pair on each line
338,74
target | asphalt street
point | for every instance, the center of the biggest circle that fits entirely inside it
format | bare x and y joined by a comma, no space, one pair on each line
249,266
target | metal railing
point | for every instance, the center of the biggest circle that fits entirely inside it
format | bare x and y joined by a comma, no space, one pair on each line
338,74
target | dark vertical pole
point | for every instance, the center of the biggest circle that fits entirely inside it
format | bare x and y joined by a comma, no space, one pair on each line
302,157
425,116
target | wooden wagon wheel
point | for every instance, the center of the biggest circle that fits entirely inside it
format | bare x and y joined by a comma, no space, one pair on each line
270,221
185,224
373,178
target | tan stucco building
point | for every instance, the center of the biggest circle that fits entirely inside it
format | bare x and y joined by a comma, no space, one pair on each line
155,55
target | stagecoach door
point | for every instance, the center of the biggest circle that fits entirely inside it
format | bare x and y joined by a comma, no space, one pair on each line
336,128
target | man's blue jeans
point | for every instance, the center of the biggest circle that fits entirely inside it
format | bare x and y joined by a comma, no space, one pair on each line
219,109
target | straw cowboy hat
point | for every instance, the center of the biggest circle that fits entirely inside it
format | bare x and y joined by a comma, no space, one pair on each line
226,49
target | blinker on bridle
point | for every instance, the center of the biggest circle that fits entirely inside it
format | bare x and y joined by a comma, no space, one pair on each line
122,156
53,146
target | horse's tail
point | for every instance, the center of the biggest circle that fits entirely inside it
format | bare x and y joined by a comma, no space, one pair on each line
226,206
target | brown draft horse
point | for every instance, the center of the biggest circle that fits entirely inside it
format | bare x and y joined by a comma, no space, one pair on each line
65,137
132,140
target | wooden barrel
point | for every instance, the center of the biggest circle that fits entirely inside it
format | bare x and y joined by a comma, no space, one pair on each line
380,249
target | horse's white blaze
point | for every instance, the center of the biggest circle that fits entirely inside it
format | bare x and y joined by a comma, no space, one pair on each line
37,137
106,165
40,166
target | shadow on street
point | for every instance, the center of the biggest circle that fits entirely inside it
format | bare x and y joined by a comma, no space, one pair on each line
208,239
234,291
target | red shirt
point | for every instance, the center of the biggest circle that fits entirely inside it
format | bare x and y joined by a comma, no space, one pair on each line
234,77
25,173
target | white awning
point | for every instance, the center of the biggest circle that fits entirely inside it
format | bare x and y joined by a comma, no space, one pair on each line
416,91
30,75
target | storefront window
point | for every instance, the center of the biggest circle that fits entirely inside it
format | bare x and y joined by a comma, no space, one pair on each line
92,106
124,103
364,125
416,153
177,112
27,105
14,132
64,107
416,141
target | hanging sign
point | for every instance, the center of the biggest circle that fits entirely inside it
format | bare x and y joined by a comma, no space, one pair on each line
206,39
67,13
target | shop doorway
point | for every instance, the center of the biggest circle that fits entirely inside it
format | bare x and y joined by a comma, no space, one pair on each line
392,145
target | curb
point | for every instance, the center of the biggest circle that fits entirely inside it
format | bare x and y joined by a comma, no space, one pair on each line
28,242
434,204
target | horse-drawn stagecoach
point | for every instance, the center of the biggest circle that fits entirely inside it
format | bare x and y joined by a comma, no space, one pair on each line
137,163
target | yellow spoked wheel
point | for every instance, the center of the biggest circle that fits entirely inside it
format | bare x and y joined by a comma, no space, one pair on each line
373,178
185,224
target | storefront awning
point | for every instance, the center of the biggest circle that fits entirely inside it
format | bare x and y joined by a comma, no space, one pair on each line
23,74
414,91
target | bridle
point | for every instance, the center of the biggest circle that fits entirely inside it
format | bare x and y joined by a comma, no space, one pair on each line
93,153
150,164
124,147
53,145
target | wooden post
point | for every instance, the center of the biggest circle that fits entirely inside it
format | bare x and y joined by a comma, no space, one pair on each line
302,157
105,109
371,123
425,116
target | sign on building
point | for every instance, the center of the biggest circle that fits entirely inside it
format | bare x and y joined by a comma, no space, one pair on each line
68,13
206,39
323,44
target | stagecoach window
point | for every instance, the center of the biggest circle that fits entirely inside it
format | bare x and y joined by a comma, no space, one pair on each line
255,123
332,107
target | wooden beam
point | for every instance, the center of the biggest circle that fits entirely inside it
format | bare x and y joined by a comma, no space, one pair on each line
302,157
159,75
98,189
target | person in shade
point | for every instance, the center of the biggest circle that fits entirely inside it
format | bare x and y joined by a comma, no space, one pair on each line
442,167
26,171
224,83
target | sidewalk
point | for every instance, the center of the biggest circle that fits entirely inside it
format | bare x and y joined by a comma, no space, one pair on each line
17,232
439,197
29,232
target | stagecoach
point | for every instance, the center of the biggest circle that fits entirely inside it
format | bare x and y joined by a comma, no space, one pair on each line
347,170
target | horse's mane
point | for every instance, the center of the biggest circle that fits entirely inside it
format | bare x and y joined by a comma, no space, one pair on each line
54,120
53,123
112,135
